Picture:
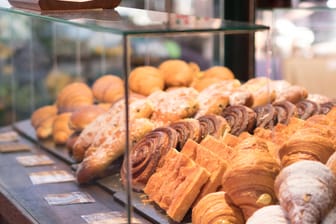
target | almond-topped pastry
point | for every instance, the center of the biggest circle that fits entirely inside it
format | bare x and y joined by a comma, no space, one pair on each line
176,183
173,105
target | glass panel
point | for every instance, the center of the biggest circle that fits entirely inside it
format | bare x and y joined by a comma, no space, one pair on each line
123,20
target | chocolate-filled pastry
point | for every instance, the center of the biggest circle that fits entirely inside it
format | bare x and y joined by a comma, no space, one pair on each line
266,116
187,128
285,110
308,143
145,155
326,107
307,108
249,181
240,119
214,125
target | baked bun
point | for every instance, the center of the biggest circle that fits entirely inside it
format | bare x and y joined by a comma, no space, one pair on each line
177,72
146,80
61,130
74,96
42,120
108,88
84,116
210,76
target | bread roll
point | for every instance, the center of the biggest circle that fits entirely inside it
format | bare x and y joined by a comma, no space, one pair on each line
42,120
84,116
177,72
61,130
108,88
74,96
146,80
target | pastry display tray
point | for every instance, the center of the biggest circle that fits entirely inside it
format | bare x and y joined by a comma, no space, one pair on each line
111,184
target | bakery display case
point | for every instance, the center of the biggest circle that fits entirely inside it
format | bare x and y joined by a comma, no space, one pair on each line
54,62
128,115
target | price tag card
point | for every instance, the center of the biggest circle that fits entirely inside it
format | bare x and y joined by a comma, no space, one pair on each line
69,198
53,176
34,160
9,136
14,147
109,218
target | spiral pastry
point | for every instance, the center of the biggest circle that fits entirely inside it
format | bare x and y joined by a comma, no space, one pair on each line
145,155
266,116
307,108
326,107
285,110
214,125
187,128
240,118
216,207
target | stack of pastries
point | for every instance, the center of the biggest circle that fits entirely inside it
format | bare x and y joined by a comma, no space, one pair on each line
203,142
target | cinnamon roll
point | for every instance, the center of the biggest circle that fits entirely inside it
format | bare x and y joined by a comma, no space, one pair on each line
307,108
240,118
326,107
145,155
213,125
285,110
187,128
266,116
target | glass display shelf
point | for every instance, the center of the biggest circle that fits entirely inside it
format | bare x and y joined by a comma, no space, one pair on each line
131,21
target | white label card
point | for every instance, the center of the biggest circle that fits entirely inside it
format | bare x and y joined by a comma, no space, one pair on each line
34,160
69,198
54,176
109,218
14,147
9,136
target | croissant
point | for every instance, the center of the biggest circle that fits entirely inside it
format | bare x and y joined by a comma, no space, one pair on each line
216,207
308,143
61,130
306,191
269,214
331,163
240,118
145,155
188,128
214,125
330,218
249,181
108,88
74,96
42,120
